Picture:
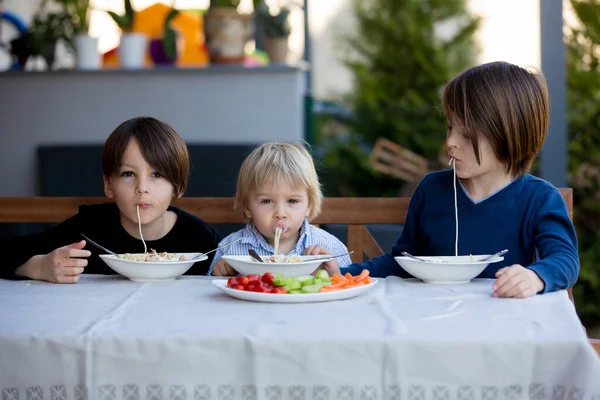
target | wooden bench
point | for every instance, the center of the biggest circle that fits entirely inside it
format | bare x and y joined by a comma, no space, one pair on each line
354,212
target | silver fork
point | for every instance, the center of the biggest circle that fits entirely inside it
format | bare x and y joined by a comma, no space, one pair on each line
98,246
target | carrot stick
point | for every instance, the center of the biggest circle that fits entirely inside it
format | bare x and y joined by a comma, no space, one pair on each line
363,276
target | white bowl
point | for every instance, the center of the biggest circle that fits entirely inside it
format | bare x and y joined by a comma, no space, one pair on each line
146,271
446,270
246,265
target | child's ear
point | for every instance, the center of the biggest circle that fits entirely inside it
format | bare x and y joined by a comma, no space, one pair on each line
108,187
247,213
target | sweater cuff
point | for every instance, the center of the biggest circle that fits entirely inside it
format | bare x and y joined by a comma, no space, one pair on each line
353,269
544,277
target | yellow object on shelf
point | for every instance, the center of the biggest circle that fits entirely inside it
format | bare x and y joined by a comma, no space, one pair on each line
189,24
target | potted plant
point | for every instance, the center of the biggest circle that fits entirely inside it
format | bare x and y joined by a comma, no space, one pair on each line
40,38
226,32
164,51
25,46
132,49
49,29
275,29
86,47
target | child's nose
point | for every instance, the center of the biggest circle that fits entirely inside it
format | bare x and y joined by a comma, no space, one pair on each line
280,212
141,187
451,141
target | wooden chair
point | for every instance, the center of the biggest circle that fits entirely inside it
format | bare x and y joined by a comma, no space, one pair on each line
393,160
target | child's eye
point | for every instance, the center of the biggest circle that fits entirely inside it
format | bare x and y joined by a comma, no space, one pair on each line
127,174
266,201
157,175
293,201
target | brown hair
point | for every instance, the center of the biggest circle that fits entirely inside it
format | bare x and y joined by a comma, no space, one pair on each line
160,144
506,105
279,162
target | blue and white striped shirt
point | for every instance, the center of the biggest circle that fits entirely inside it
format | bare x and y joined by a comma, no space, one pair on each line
252,239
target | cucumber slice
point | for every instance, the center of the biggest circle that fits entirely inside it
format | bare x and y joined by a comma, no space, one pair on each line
303,278
282,281
322,275
311,288
294,284
295,291
310,281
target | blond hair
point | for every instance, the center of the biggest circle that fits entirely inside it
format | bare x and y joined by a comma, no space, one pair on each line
506,105
275,163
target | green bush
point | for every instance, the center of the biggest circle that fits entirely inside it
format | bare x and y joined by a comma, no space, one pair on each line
402,55
583,97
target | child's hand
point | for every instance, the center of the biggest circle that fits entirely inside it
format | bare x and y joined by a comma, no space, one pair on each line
330,266
517,281
221,268
63,265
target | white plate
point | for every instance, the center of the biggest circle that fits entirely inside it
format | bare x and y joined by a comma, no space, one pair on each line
446,270
149,271
294,298
246,265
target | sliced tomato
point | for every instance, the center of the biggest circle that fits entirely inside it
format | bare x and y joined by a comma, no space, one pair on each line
268,278
261,289
242,280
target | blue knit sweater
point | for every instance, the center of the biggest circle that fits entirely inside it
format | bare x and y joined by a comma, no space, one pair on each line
528,217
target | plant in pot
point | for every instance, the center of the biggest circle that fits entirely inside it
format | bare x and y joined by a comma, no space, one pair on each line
50,28
40,38
86,47
275,29
132,49
29,44
226,32
164,51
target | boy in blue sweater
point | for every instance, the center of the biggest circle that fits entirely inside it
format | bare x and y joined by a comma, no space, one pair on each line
498,117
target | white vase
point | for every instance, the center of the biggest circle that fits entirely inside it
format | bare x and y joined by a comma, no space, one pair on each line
132,50
86,50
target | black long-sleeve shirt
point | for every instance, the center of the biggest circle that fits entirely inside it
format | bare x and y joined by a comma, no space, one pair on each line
102,224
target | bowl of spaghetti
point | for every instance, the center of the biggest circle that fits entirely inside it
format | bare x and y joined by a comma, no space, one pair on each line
152,266
287,266
446,269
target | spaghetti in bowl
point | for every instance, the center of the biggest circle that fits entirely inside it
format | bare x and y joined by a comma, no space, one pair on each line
146,267
153,256
290,266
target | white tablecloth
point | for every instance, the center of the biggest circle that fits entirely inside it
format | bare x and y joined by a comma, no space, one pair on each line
108,338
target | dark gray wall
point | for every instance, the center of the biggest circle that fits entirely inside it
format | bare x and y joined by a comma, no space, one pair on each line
222,105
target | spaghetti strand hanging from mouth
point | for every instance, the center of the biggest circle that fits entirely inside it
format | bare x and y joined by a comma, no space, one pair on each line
453,162
278,232
140,227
